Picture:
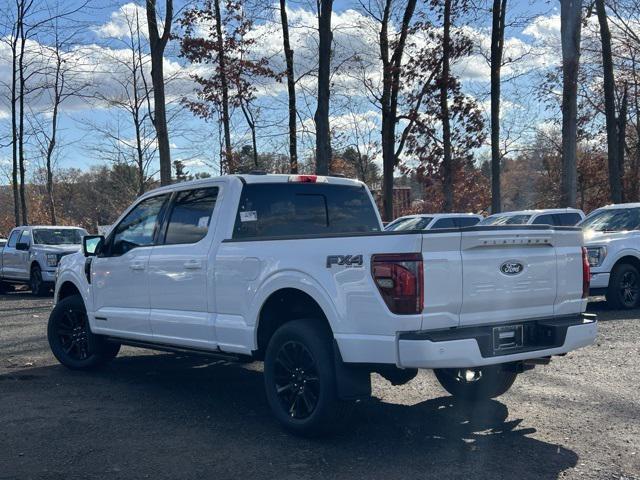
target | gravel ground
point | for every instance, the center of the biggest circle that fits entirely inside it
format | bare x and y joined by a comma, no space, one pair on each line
156,415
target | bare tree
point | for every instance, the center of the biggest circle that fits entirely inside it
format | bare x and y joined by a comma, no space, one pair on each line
157,44
323,133
291,89
392,53
570,31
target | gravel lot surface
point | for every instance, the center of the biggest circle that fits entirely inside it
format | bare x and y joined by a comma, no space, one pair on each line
157,415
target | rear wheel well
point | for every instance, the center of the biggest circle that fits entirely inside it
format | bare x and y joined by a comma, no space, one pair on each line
67,289
629,259
284,306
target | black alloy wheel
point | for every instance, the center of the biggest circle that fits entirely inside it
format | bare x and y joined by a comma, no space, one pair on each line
297,381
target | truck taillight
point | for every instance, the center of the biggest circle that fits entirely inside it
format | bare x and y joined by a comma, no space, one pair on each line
399,279
586,273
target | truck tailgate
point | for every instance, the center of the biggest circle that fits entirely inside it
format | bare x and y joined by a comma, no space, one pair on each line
507,275
502,275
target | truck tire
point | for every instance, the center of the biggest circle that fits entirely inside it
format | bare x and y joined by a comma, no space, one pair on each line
623,292
476,384
300,379
71,340
37,285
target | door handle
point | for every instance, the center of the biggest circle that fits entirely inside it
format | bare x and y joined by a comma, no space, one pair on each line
136,266
193,264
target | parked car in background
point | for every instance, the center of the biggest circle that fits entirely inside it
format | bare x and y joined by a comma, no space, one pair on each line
612,238
32,253
433,221
295,271
561,217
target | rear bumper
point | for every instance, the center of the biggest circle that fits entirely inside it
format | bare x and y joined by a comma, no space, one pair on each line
473,346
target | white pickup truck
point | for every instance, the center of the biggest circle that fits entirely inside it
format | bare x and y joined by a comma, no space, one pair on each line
31,256
296,271
612,238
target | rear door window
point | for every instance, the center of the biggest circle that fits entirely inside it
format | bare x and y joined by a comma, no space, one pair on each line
285,209
190,216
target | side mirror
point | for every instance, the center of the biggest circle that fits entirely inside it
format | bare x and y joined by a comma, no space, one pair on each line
22,246
92,245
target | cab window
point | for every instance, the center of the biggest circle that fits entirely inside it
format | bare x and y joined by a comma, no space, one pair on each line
568,219
444,223
190,216
544,220
466,221
138,228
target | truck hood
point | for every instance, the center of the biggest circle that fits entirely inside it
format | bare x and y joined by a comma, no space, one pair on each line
591,237
57,248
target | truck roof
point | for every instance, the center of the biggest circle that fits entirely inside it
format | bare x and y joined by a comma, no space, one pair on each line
250,178
620,205
50,227
537,211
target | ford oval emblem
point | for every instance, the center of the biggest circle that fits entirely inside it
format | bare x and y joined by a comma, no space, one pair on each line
511,267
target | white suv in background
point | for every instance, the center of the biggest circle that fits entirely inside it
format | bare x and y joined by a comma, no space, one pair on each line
612,238
561,217
434,221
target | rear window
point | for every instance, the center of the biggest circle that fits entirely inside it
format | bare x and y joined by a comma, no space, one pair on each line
467,221
519,219
281,210
415,223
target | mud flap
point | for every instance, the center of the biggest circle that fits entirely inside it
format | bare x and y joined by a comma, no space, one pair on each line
352,381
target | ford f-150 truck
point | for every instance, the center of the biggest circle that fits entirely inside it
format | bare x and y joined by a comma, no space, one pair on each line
32,253
296,271
612,238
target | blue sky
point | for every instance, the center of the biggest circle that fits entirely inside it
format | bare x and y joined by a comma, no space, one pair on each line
197,142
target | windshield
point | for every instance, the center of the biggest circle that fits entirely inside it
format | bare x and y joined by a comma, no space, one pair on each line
415,223
51,236
613,220
506,220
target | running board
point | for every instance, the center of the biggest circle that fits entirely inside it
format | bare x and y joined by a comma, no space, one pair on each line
162,347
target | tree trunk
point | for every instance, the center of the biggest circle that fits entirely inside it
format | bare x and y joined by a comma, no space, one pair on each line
323,140
14,129
621,126
50,149
447,167
228,158
248,116
291,89
157,45
21,93
615,181
570,30
497,48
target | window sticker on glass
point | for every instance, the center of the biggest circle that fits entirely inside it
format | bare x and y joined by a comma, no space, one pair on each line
203,222
249,216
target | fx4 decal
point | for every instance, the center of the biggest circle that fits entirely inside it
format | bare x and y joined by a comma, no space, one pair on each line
344,260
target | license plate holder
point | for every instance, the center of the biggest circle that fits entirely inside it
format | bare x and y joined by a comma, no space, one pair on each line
508,337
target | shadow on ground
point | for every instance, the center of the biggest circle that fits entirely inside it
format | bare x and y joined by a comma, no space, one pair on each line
165,416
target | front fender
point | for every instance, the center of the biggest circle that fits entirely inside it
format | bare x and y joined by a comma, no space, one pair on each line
71,269
613,258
